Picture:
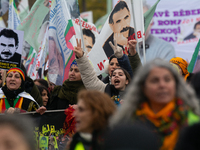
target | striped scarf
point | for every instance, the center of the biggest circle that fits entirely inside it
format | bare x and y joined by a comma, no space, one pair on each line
4,104
166,122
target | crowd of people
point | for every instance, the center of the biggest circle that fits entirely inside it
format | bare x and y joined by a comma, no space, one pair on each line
135,106
156,104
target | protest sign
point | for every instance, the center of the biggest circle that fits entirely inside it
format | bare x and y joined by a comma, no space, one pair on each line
49,130
89,31
119,26
10,48
174,22
60,56
87,16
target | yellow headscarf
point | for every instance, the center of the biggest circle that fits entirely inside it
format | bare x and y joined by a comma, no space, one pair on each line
182,64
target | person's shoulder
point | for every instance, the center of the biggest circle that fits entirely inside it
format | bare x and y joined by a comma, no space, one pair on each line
26,95
160,42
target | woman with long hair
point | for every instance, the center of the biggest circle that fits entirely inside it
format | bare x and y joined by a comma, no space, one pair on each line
159,99
92,114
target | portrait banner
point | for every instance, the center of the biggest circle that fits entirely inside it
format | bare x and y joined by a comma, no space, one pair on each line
11,42
60,56
178,22
89,31
120,27
49,130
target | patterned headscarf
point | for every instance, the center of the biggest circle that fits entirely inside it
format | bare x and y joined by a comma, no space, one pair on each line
182,64
12,94
73,63
18,70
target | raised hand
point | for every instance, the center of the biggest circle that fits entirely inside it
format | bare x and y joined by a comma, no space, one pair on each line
118,51
132,47
78,50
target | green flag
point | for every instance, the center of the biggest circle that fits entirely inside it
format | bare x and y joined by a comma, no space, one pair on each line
34,25
149,15
194,58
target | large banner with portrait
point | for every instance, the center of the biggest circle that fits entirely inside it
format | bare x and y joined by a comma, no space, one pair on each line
11,42
120,27
178,22
59,54
51,130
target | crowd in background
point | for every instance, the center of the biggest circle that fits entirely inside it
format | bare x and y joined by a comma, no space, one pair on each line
151,106
135,106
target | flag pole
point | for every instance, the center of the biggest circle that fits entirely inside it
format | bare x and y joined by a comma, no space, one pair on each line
135,28
143,35
80,27
81,34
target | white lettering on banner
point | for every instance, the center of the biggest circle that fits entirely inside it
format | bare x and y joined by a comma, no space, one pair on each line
100,65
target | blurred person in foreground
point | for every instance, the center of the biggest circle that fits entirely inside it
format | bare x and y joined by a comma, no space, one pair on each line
16,133
160,100
137,138
92,113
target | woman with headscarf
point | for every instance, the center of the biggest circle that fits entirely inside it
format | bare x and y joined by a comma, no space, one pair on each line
13,98
160,100
65,95
182,65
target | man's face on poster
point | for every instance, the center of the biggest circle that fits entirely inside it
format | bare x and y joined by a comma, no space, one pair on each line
197,30
7,47
88,43
121,21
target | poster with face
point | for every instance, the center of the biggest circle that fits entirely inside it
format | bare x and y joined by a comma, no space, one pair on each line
11,42
177,22
119,26
89,31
